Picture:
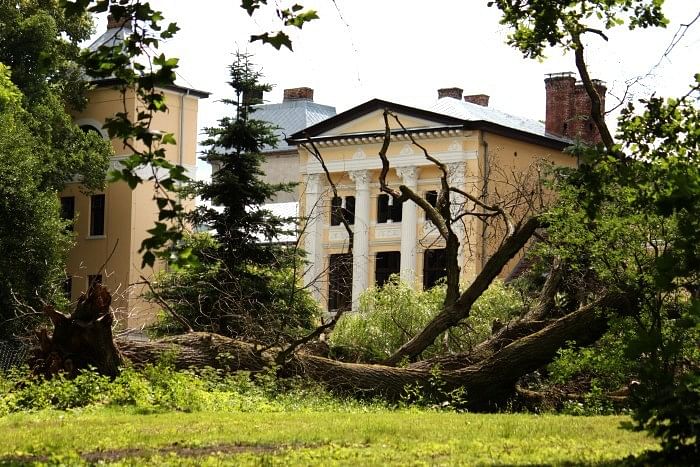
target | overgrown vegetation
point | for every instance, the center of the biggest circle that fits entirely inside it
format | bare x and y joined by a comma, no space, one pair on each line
159,415
390,315
161,388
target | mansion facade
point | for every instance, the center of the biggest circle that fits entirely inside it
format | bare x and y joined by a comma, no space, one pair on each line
462,132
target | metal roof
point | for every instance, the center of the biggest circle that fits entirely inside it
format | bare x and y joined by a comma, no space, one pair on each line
448,112
290,117
474,112
112,37
115,36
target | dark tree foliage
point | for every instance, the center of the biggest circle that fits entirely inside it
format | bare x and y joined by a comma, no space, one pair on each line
634,221
40,151
243,228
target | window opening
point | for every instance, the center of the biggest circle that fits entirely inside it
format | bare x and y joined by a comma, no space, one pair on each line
342,208
68,288
340,282
97,215
434,267
68,210
387,263
94,279
388,210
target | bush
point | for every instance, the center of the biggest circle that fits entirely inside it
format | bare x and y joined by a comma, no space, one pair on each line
389,316
161,388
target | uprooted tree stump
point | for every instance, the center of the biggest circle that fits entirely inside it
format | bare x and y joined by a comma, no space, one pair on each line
79,341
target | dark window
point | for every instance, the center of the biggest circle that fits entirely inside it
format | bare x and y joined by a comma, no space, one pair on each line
431,197
336,207
349,210
434,267
94,279
342,208
387,263
97,215
68,210
340,282
68,288
388,209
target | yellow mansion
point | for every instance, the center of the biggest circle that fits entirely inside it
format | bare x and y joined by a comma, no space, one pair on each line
109,226
460,131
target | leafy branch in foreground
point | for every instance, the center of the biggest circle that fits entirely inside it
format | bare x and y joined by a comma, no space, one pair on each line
137,69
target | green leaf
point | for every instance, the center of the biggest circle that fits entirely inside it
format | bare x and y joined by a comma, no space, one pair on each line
277,40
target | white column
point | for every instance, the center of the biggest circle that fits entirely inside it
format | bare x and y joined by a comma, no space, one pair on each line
457,178
313,234
409,175
360,248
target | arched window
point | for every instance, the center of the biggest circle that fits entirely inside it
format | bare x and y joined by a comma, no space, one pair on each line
90,128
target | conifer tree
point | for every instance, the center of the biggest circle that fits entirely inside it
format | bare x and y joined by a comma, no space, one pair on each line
252,280
237,193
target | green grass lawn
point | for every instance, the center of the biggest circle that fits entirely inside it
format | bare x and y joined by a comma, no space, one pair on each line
373,437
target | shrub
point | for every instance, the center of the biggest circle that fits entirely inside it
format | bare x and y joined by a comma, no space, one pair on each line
389,316
264,303
161,388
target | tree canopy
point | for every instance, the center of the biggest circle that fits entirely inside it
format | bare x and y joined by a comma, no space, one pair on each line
41,150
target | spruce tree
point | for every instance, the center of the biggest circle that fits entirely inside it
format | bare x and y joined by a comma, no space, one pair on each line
253,282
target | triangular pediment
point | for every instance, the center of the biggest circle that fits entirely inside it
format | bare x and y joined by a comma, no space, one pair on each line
373,122
368,118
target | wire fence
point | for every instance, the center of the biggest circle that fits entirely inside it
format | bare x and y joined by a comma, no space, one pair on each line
12,354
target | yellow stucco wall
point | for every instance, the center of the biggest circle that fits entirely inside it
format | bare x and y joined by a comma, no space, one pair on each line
509,159
128,214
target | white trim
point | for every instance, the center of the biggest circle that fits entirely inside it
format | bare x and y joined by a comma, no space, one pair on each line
374,163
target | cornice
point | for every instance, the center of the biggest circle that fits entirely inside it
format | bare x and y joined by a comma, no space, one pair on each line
378,137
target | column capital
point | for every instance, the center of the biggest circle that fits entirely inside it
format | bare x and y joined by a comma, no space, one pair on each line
408,174
361,179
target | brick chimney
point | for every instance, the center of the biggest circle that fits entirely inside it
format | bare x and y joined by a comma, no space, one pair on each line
568,111
560,103
113,23
455,93
478,99
583,126
298,94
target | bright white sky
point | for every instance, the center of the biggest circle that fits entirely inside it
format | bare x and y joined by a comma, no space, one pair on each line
404,50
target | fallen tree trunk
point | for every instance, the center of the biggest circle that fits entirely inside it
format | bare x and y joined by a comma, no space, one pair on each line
488,383
84,339
453,314
519,328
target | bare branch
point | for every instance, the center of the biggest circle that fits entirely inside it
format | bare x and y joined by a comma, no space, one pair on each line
164,303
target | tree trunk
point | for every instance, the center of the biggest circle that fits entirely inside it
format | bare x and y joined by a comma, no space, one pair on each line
488,383
84,339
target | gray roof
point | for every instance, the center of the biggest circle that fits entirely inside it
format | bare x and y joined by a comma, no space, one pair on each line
290,117
111,37
474,112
